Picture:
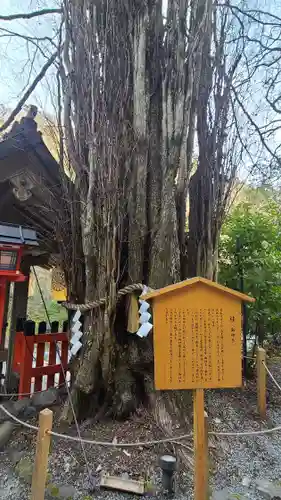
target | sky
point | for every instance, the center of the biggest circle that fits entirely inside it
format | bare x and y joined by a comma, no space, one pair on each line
16,69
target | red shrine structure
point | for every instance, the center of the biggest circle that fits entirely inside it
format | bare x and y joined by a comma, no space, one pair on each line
30,181
13,242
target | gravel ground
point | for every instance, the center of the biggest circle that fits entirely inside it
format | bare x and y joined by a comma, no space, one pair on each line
235,463
238,460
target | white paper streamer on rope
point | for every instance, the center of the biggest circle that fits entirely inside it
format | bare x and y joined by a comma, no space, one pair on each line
76,316
76,327
144,330
145,316
76,333
75,348
76,337
144,306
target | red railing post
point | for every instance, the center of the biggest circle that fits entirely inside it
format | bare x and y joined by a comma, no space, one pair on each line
24,356
52,353
52,361
17,354
64,359
26,365
39,363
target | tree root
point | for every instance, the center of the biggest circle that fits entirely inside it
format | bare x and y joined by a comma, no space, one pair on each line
170,409
131,383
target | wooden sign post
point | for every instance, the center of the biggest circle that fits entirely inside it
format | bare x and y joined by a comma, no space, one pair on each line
200,446
197,345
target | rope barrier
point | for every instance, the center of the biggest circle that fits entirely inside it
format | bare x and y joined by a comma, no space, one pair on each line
122,445
271,376
17,420
246,433
252,433
17,394
88,306
153,442
96,443
138,443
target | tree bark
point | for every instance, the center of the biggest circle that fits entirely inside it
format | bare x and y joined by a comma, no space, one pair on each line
132,82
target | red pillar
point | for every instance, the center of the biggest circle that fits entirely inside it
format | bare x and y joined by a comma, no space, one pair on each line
26,366
2,304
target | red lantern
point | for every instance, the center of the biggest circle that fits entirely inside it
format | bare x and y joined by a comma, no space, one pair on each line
12,241
10,258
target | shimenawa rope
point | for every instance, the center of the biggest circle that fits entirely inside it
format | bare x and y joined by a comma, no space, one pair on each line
88,306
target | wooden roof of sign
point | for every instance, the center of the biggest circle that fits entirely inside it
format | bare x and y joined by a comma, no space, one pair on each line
193,281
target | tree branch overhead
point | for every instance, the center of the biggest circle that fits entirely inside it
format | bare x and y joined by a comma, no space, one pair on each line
29,15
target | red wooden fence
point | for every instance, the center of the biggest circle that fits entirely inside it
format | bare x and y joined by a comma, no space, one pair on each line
26,356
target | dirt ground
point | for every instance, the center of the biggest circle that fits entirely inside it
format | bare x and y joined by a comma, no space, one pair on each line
236,464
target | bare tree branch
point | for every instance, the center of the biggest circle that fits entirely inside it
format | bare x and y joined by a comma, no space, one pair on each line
30,15
252,13
28,38
29,91
37,42
252,122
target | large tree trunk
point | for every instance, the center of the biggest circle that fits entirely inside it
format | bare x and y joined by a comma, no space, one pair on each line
131,90
210,185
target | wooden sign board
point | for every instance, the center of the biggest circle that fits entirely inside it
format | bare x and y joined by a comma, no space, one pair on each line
197,336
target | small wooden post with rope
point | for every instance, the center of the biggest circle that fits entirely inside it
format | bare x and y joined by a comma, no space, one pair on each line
261,381
39,476
201,471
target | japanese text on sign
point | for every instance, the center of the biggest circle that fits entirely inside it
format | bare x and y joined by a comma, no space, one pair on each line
202,346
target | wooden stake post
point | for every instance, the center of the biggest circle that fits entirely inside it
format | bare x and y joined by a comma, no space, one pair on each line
261,382
42,452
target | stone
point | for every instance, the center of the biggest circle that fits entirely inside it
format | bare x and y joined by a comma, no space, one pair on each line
269,489
246,481
45,399
67,465
6,431
61,492
24,469
17,408
220,495
67,492
15,456
29,412
9,405
20,405
225,494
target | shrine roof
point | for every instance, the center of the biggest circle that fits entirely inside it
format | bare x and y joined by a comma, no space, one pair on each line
30,181
17,235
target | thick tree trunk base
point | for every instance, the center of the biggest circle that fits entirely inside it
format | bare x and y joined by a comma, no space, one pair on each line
131,388
128,384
